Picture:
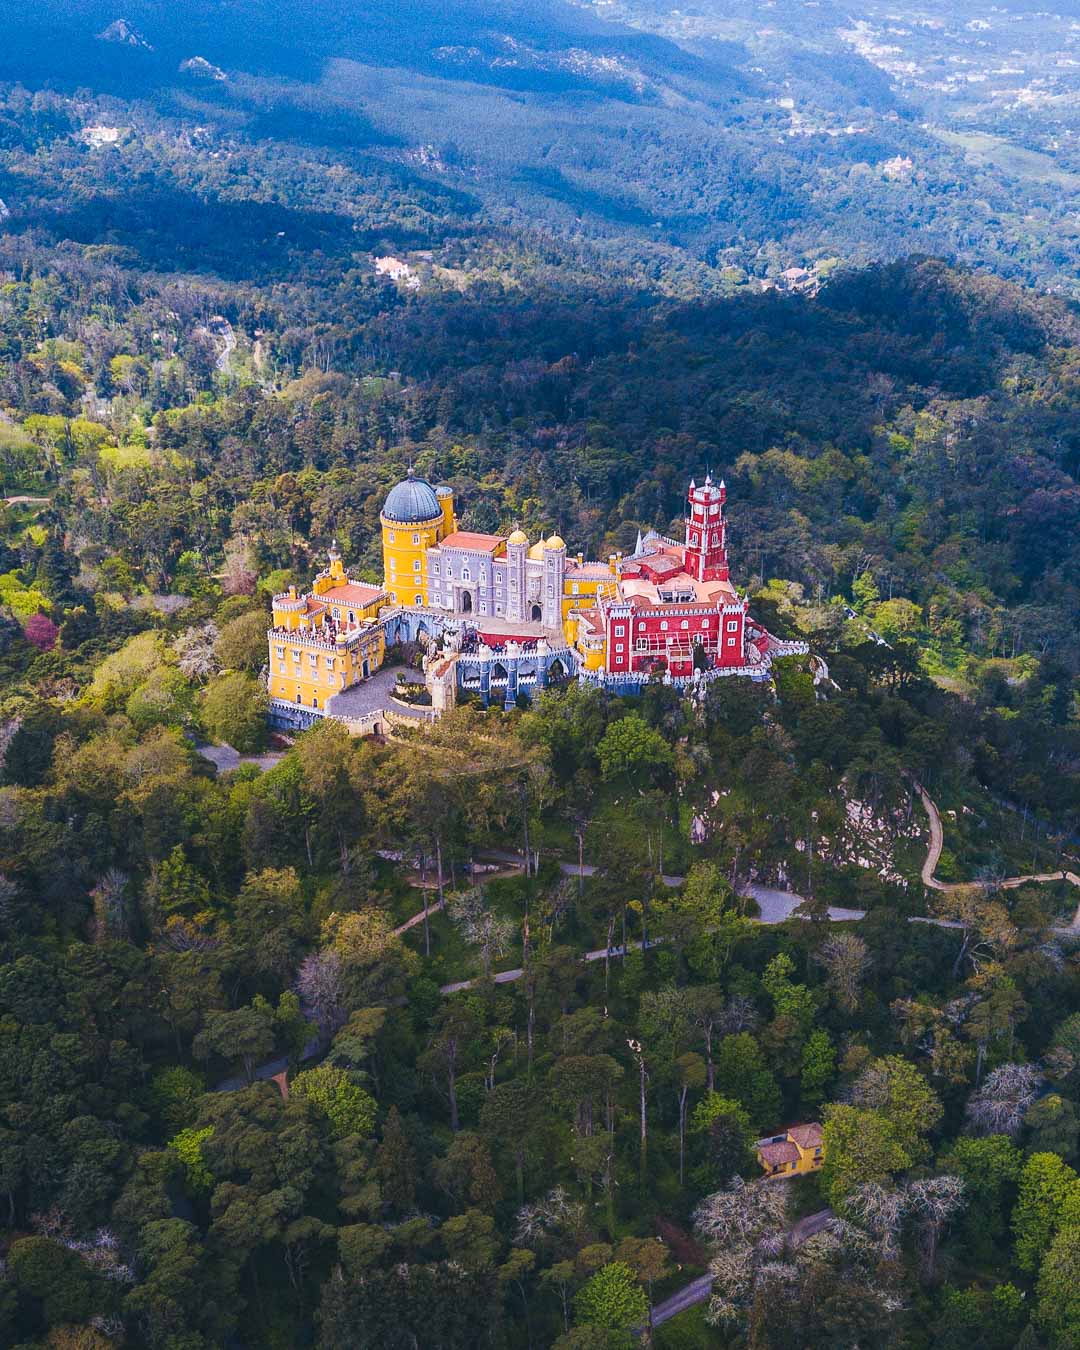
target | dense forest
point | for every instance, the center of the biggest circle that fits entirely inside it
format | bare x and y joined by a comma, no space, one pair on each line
465,1036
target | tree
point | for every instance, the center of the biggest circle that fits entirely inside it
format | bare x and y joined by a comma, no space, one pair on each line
630,748
234,712
1046,1186
467,1173
743,1225
1058,1310
612,1298
895,1089
188,1147
348,1108
1054,1126
990,1168
999,1105
741,1073
246,1034
241,643
721,1136
846,960
689,1075
508,1116
40,631
455,1030
818,1067
860,1145
395,1164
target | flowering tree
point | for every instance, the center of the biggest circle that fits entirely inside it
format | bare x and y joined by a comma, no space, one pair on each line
40,631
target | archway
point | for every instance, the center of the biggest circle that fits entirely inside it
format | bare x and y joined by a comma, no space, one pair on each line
537,613
466,602
556,671
498,671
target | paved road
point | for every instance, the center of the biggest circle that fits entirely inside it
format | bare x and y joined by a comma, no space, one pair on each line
697,1291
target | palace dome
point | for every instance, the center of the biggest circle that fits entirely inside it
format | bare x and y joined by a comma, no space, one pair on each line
411,502
555,541
518,537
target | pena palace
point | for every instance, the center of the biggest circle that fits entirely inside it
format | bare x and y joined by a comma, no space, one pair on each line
502,617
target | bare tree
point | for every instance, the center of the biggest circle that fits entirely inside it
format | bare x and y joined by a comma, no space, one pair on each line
110,905
320,985
933,1203
480,926
998,1106
745,1225
846,959
194,650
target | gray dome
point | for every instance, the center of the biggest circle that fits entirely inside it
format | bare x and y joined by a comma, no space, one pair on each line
410,501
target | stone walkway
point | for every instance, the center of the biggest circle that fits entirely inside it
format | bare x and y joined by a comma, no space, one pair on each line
375,695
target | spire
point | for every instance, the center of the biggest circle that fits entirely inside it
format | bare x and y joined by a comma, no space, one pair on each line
639,545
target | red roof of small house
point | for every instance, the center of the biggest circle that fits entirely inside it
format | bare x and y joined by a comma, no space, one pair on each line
352,593
477,543
806,1136
784,1152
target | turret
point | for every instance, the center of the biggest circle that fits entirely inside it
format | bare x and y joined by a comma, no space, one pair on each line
517,549
706,531
445,496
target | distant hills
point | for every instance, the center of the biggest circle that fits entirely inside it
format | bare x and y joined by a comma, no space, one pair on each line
729,137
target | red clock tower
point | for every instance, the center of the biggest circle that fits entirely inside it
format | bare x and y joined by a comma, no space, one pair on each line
706,542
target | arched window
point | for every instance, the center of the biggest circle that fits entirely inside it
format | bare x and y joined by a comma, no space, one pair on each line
466,575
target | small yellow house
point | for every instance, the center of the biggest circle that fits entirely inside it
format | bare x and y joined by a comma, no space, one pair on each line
793,1153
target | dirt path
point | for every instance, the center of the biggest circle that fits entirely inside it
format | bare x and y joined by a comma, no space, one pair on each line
937,843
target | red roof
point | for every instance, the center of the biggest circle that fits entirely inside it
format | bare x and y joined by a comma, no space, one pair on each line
806,1136
352,593
478,543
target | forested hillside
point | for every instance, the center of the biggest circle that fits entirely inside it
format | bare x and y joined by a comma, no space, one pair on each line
465,1036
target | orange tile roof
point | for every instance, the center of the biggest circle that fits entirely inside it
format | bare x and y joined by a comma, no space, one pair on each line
774,1154
806,1136
478,543
352,593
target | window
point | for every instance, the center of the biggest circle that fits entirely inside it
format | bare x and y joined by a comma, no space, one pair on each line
713,510
618,630
618,646
352,617
466,575
449,572
435,568
551,588
731,642
389,536
483,581
416,538
575,589
280,652
704,623
685,623
733,625
418,600
314,700
663,625
416,565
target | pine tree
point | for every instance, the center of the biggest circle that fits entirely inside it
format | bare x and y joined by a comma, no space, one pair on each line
395,1163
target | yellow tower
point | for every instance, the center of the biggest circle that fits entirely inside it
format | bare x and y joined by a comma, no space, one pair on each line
414,517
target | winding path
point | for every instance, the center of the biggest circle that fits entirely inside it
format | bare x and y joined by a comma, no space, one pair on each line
937,843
